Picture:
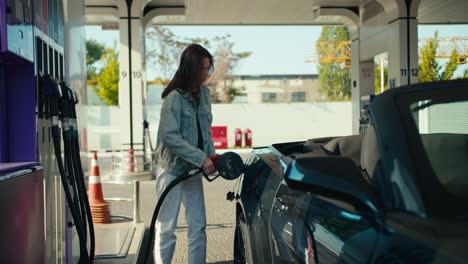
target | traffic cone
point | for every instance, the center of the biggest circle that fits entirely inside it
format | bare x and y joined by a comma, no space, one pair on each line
99,208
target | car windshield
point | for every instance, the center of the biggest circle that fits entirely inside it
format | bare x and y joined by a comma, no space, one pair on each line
443,127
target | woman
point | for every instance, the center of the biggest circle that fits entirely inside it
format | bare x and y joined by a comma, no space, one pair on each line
184,143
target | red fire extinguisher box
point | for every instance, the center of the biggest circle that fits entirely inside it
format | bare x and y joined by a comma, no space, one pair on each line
219,135
248,138
237,138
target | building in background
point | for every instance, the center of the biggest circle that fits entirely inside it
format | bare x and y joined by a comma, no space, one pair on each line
276,88
254,89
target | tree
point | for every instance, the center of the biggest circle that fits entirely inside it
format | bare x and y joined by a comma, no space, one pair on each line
102,71
226,61
94,52
429,68
334,77
163,54
377,86
107,80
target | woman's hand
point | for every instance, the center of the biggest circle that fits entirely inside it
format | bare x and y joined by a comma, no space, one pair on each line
208,166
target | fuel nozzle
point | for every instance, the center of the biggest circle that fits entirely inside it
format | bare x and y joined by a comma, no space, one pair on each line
229,165
71,93
215,159
51,92
50,86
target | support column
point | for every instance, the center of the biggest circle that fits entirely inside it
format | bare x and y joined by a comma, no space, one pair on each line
403,52
362,82
402,29
131,82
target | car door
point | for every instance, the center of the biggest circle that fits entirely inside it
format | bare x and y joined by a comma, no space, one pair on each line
291,238
309,229
268,178
340,236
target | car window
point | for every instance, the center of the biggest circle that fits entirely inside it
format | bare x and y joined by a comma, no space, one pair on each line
443,129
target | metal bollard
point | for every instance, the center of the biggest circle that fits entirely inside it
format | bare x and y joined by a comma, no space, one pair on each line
131,161
136,202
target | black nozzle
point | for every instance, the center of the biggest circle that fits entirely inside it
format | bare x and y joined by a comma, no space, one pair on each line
72,96
67,92
230,165
50,86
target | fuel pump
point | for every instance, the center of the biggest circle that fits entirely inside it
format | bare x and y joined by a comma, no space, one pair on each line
364,118
229,166
60,101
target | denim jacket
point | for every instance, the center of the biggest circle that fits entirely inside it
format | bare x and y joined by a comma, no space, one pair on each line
176,146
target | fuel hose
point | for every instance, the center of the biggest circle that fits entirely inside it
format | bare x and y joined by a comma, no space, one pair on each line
79,175
229,166
51,90
158,208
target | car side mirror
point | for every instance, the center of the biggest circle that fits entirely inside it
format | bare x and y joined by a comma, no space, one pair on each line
336,179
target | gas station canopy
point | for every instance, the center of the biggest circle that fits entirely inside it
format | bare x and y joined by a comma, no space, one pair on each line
272,12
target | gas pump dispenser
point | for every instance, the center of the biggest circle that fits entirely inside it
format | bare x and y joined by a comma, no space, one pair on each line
21,176
39,151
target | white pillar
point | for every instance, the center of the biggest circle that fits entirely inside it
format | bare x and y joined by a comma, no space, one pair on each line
362,82
131,83
403,52
382,75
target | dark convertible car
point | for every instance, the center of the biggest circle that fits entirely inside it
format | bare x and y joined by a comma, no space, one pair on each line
398,193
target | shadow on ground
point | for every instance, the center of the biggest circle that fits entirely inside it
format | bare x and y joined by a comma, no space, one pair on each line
182,228
146,237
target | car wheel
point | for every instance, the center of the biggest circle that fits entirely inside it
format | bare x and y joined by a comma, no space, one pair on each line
240,246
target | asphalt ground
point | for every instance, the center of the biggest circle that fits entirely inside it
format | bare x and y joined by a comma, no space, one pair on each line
220,214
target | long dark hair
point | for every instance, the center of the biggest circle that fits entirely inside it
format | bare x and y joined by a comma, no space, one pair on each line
189,74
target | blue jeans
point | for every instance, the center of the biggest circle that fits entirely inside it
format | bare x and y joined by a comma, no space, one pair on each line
189,192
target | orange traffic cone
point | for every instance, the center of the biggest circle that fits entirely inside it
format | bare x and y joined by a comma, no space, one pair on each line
99,208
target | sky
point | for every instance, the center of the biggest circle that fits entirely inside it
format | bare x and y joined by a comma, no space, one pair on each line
275,49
